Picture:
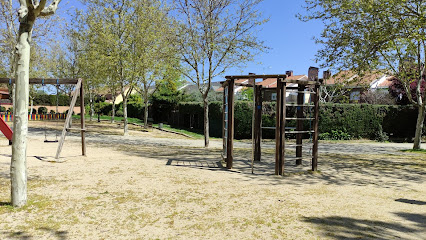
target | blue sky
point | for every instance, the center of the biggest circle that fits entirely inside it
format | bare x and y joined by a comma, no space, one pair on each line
291,40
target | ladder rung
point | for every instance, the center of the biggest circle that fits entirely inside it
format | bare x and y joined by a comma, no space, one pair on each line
75,129
300,118
310,131
275,128
308,92
298,145
298,105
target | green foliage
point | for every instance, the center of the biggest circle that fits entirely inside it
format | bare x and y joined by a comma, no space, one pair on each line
336,121
135,107
42,110
366,35
50,100
103,108
2,109
335,135
119,113
247,94
165,99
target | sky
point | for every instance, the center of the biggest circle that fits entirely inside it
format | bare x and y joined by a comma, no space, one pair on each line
290,40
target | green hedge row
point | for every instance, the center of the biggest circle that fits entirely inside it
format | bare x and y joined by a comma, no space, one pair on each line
346,120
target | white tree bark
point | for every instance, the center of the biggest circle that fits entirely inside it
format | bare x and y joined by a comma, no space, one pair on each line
419,127
28,12
126,128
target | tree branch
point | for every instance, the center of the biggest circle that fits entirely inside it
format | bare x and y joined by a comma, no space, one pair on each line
51,9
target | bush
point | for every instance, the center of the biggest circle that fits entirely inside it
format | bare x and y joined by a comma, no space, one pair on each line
336,121
119,113
2,109
103,108
42,110
335,135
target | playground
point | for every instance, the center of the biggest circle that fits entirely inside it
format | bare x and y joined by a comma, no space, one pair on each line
158,185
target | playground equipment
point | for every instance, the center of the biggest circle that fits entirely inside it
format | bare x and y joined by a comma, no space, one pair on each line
56,116
78,90
310,86
5,129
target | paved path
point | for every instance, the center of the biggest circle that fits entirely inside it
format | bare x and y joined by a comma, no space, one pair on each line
340,147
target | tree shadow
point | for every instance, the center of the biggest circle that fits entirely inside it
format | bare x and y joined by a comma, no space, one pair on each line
336,227
22,235
410,201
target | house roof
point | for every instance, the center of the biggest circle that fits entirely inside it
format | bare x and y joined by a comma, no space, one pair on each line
4,91
294,77
268,82
352,79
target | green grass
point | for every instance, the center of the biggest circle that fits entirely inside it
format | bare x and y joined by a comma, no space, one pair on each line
196,135
415,150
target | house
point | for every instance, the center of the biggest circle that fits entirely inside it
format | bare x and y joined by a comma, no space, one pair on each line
4,93
191,88
353,86
270,84
5,98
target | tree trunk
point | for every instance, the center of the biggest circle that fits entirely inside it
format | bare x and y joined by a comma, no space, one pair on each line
419,127
145,116
31,109
18,167
126,130
206,122
92,109
113,109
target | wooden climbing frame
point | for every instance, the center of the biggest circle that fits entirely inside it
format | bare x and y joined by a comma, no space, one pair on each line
310,86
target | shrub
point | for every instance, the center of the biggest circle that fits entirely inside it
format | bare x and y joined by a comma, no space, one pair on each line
119,113
2,109
42,110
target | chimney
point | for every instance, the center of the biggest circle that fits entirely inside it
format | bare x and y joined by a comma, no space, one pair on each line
313,74
326,75
289,73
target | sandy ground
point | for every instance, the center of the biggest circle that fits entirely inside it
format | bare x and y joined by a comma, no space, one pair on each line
155,185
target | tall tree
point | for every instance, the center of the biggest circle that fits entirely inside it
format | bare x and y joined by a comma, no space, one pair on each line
214,36
153,50
28,12
366,35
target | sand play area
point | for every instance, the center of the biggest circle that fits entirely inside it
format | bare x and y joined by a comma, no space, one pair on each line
156,185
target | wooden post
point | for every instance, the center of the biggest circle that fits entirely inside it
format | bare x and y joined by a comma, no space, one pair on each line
299,123
280,128
68,119
258,123
225,127
83,127
230,140
316,133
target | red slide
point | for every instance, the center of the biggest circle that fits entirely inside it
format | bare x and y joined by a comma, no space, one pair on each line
5,129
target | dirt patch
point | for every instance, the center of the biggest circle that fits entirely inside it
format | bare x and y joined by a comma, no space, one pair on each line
139,187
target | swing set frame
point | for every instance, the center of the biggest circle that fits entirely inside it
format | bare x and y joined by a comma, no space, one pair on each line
78,90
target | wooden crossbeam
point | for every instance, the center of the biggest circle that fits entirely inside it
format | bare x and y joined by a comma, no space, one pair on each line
55,81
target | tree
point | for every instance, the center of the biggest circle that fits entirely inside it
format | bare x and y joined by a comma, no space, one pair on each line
153,50
28,12
214,36
396,89
366,35
166,96
109,23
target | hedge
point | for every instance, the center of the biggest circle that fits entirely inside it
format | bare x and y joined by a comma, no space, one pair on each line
348,120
